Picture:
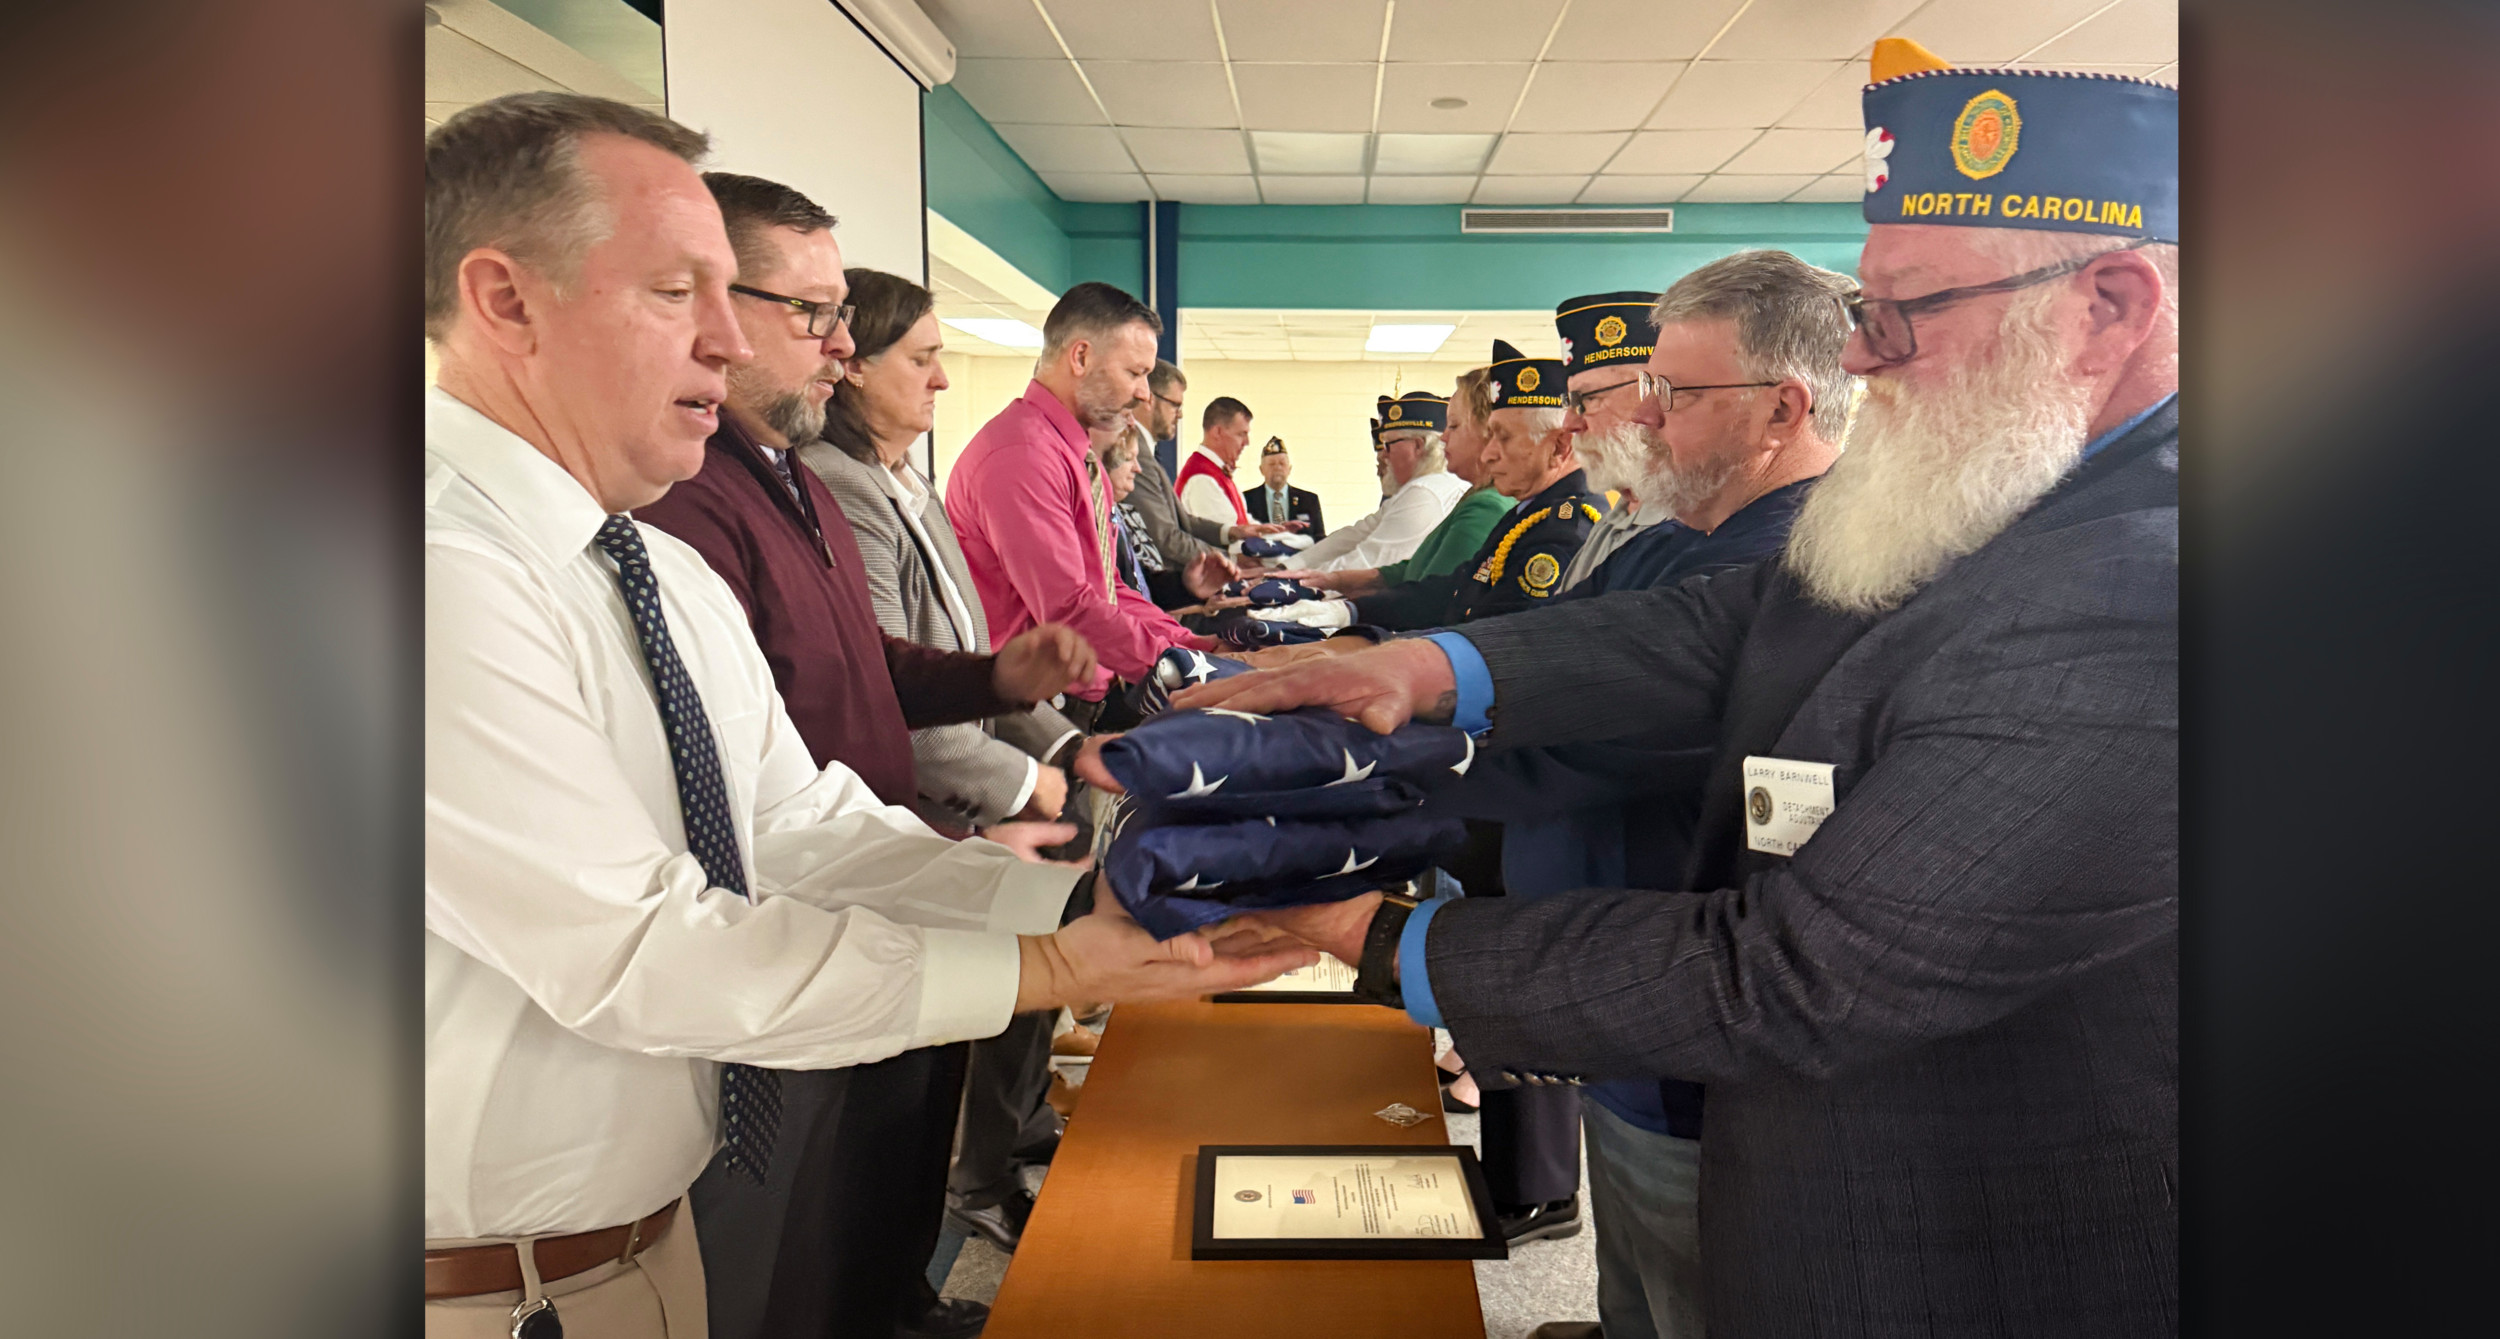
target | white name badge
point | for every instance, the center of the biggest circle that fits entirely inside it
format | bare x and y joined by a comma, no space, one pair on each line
1785,803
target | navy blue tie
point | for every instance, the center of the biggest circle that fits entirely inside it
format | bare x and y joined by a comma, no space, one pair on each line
750,1098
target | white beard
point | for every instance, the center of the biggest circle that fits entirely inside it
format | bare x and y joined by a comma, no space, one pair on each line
1664,487
1931,475
1612,459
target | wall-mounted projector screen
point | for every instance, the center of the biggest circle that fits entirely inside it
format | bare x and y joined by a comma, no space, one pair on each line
794,91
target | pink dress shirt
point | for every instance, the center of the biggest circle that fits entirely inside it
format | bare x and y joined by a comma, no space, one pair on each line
1024,507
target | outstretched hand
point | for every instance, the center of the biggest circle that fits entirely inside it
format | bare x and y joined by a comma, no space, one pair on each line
1040,661
1105,957
1029,840
1335,928
1384,687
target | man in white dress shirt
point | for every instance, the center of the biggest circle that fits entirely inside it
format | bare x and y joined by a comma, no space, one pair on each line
591,957
1414,470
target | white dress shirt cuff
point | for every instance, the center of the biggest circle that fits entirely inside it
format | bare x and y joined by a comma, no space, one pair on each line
1031,898
968,985
1024,793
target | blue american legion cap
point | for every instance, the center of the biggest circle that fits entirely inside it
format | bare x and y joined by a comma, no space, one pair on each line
1603,329
1518,381
1415,409
2043,149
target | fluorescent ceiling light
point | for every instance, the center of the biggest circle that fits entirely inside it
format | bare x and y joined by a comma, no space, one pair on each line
998,330
1431,155
1407,338
1307,152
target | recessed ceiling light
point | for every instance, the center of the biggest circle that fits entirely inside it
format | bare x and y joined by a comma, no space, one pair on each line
1407,338
1449,104
998,330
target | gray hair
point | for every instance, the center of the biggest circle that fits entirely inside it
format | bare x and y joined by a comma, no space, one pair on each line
507,174
1540,420
2023,249
1789,323
1431,457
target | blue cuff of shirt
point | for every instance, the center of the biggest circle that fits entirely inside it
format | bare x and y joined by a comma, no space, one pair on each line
1475,682
1413,981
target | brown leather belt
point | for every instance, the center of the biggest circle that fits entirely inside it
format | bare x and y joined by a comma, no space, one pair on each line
467,1271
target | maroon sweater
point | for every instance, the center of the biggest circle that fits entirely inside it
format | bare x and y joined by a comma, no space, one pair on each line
853,692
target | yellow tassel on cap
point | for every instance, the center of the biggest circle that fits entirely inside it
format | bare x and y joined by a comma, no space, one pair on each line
1897,56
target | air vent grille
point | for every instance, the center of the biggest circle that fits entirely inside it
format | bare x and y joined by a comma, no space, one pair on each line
1566,220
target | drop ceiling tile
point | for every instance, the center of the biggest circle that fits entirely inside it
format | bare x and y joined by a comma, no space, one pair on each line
1839,188
1343,30
1312,190
1548,154
992,28
1305,97
1308,152
1135,29
1188,151
1529,190
1679,151
1990,32
1430,155
1196,189
1636,189
461,70
1067,148
1407,93
1639,29
1838,103
1723,189
1444,30
1591,95
2134,31
1029,92
1718,94
1815,151
1097,185
1421,190
1810,29
1170,93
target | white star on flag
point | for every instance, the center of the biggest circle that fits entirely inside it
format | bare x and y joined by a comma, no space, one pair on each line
1251,716
1352,773
1351,867
1469,760
1199,786
1194,886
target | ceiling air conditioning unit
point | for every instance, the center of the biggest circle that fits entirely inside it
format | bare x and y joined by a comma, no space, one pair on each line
1565,220
907,36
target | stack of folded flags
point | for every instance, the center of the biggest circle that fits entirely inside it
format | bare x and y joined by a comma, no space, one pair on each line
1272,592
1244,633
1273,546
1228,811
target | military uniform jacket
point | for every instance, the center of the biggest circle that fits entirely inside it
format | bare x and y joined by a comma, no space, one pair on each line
1941,1041
1519,565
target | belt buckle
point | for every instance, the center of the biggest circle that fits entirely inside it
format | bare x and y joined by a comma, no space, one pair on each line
537,1319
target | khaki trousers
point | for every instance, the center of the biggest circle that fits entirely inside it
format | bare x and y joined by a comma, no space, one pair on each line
658,1295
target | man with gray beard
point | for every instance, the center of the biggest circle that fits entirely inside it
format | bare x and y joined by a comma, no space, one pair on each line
1605,336
1928,967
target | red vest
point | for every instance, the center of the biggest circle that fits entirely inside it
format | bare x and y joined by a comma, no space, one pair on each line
1201,464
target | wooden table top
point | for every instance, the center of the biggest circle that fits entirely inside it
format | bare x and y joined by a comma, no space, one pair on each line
1106,1254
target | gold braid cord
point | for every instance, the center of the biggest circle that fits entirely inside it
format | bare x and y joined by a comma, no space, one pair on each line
1491,572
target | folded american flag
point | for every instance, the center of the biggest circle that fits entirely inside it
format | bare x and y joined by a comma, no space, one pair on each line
1273,591
1229,811
1249,634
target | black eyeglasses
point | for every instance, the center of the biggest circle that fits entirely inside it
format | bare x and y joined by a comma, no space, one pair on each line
1665,390
1578,402
1176,405
1886,321
822,317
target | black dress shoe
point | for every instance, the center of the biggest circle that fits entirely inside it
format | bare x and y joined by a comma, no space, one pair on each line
1543,1222
951,1318
1001,1223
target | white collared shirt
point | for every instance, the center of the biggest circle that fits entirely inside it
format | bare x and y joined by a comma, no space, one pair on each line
1202,496
1393,532
582,977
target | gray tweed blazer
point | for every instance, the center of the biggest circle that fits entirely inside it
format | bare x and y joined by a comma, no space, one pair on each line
1941,1042
969,774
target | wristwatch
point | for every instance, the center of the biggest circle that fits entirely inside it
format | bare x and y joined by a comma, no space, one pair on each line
1376,976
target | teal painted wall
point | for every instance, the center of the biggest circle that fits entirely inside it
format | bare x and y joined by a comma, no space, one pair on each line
1413,257
1353,257
982,187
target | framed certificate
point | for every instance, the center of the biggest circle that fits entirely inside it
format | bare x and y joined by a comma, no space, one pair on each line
1327,981
1343,1202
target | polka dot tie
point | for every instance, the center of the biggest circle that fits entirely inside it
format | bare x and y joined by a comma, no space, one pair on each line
750,1098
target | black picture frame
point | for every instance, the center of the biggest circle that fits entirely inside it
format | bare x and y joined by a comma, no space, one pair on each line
1205,1245
1289,997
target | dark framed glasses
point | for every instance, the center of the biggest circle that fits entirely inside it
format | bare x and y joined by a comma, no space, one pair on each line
822,317
1578,402
1886,324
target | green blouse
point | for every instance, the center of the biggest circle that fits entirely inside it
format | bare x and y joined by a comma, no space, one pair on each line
1452,542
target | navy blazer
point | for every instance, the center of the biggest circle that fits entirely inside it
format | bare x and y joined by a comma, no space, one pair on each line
1942,1040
